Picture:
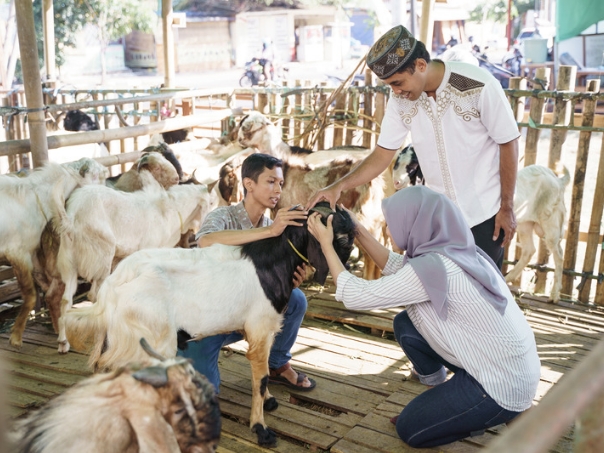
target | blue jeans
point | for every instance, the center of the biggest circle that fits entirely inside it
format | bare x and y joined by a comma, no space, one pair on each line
204,352
450,411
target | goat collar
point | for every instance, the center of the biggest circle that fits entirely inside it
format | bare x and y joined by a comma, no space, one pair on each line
297,252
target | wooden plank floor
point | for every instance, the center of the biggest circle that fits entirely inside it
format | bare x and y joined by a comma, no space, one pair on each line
361,376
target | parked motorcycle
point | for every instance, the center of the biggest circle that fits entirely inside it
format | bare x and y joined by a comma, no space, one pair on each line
500,73
512,61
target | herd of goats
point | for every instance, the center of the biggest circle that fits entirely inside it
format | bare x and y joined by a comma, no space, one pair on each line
129,236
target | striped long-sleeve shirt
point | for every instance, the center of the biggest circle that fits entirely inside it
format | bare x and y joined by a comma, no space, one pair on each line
499,351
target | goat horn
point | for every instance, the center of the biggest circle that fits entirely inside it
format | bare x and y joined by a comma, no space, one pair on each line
149,350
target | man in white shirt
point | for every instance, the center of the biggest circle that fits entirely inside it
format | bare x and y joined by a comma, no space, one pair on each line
463,132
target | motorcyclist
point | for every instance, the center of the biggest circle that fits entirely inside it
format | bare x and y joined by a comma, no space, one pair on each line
267,57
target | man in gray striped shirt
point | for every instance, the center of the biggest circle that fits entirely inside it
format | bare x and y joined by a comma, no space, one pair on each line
460,316
262,177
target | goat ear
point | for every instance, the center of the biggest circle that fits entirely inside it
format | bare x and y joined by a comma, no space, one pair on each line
84,169
156,376
318,261
324,209
144,162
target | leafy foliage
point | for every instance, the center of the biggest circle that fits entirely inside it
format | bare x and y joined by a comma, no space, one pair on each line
70,17
497,11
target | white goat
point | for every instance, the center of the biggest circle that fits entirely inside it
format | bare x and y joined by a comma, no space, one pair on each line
156,293
538,206
257,131
47,275
101,226
28,205
164,170
164,407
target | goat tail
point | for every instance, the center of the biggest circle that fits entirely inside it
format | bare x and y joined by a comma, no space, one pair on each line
565,176
84,325
125,323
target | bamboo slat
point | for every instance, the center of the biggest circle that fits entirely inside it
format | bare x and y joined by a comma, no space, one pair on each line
298,110
572,235
368,110
562,111
340,111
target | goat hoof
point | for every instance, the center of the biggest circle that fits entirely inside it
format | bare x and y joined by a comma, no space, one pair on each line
15,341
270,404
63,347
266,436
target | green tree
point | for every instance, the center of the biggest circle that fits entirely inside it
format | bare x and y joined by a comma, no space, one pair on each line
113,18
117,18
497,11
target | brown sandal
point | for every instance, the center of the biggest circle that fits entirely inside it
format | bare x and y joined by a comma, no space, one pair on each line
276,378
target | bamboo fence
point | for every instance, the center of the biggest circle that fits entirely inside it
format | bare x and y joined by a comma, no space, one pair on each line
321,117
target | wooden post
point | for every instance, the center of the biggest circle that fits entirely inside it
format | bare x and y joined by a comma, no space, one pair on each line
340,110
572,234
321,137
353,112
562,113
48,22
593,235
285,113
31,76
380,109
536,114
262,103
368,110
167,16
599,298
426,28
308,111
518,103
297,112
561,116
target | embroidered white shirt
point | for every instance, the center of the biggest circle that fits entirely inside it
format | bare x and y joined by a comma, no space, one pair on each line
456,137
499,351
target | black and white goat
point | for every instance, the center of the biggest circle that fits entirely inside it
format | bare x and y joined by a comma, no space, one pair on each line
27,205
406,170
156,293
538,206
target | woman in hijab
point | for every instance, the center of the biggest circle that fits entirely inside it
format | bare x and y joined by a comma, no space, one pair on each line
460,316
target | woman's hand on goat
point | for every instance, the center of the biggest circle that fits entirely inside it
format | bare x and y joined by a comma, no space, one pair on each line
286,217
322,233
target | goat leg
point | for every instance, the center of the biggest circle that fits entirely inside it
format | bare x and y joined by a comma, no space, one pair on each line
23,271
257,354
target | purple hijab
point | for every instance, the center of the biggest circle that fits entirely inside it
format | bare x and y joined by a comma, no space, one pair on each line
423,223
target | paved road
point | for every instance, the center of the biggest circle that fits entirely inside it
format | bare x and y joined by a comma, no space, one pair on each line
316,71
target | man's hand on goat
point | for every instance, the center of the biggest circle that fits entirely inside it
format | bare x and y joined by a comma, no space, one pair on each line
300,275
506,220
286,217
330,193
